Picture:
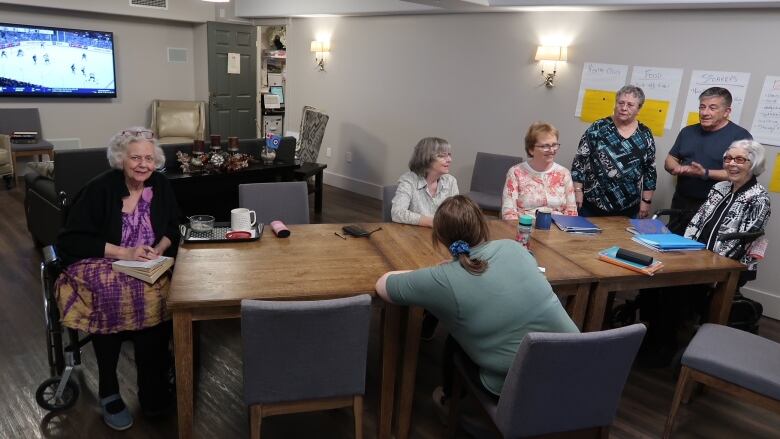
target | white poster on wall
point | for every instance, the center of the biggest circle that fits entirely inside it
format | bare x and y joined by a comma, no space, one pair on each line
766,124
602,77
660,84
735,82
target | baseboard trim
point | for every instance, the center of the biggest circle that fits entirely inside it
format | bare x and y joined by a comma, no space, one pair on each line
770,302
351,184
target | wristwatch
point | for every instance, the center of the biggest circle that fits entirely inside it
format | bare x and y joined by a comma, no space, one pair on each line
644,200
706,175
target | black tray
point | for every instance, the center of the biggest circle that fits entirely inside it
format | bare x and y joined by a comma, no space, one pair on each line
217,234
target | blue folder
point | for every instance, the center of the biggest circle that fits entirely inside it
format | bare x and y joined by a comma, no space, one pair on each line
668,241
569,223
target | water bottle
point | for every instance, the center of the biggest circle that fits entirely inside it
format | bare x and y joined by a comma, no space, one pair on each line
524,230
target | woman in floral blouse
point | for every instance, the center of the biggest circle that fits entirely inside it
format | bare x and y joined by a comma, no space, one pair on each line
538,182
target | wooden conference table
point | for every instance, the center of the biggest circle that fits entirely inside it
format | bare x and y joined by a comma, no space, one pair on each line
211,279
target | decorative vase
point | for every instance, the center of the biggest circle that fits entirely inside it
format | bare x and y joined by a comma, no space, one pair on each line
267,155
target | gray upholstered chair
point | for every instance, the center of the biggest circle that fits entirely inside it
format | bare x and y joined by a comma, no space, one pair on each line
286,201
558,383
303,356
178,121
313,123
388,192
29,120
6,161
488,178
739,363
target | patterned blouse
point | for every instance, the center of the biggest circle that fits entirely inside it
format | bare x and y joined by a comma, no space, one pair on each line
412,200
746,210
614,171
526,190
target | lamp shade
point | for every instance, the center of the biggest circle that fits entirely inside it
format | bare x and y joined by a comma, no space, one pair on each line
320,46
551,53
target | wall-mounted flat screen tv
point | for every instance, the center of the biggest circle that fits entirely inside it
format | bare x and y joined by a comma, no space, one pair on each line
47,61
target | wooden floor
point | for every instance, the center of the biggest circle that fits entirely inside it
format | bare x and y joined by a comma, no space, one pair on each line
219,411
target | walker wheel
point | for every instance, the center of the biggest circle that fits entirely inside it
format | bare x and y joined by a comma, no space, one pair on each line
45,395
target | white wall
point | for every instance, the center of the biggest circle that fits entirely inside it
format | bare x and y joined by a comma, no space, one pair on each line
470,79
142,72
180,10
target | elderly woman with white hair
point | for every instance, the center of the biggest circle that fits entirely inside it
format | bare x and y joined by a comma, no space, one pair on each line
739,204
129,213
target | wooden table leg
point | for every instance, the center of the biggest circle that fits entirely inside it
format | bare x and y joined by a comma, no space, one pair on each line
720,305
390,348
182,339
597,305
409,371
580,305
318,192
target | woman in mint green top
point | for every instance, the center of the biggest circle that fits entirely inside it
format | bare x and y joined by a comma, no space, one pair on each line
489,296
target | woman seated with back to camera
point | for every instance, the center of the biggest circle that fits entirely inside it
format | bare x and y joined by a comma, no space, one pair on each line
428,182
128,213
489,295
538,182
738,204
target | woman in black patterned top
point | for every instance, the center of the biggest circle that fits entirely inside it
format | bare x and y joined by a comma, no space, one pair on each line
614,168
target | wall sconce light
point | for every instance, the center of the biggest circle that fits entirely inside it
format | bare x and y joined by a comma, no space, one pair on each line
320,48
547,54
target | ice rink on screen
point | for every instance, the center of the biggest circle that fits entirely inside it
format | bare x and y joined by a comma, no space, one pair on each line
57,73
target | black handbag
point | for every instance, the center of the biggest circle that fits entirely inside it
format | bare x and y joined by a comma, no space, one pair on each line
745,313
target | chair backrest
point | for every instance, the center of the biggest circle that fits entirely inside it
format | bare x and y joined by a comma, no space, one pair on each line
20,119
490,170
388,192
74,168
285,201
566,382
304,349
313,123
178,120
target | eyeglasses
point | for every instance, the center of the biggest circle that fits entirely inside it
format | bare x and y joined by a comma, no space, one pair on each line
141,158
146,134
737,160
443,155
548,146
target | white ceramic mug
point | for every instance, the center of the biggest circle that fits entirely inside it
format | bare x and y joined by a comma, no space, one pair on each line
242,219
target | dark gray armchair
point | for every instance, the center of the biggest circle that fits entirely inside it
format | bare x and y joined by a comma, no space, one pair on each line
303,356
488,178
557,383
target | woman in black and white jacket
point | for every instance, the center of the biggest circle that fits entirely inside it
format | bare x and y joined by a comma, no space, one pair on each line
739,204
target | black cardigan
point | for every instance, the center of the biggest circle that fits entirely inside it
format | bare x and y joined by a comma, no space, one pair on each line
95,216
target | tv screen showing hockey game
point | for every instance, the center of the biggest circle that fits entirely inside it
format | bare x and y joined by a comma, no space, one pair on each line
46,61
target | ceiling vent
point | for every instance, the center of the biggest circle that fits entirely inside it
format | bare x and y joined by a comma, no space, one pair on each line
154,4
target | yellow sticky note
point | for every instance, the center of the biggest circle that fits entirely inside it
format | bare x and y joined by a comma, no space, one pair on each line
774,183
653,114
693,118
597,104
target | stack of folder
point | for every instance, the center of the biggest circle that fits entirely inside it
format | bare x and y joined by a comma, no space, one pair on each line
647,225
574,224
665,242
610,255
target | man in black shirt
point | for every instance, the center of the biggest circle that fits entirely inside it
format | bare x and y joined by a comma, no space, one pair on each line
696,157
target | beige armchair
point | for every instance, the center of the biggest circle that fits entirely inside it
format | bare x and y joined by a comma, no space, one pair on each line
6,163
178,121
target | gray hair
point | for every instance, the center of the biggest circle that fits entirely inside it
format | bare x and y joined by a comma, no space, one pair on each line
717,92
425,153
631,90
755,152
117,146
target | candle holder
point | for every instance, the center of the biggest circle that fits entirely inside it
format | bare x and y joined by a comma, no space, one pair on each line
232,145
216,142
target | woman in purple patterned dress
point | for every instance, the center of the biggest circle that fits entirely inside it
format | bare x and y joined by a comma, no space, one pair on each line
128,213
